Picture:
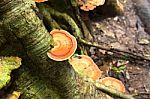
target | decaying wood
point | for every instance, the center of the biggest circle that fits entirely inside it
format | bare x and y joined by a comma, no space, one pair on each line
40,77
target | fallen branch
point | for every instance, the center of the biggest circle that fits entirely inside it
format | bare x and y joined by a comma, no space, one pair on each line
114,50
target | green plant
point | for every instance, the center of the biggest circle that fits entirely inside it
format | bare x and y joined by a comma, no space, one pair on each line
118,70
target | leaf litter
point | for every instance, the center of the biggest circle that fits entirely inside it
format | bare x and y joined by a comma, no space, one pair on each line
127,33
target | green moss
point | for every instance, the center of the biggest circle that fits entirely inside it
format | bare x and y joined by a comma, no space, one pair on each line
7,64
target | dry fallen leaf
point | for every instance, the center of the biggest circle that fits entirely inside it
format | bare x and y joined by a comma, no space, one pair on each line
144,41
109,33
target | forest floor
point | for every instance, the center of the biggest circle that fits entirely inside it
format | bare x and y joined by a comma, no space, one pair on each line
124,32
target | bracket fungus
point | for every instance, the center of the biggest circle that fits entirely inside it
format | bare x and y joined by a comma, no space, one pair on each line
87,5
85,66
64,45
113,83
39,1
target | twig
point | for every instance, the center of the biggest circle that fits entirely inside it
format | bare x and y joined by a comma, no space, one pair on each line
113,92
141,93
117,51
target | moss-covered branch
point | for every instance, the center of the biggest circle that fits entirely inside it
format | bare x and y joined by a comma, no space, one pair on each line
23,22
20,19
113,92
50,22
63,16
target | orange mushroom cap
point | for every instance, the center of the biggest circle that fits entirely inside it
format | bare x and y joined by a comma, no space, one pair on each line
113,83
87,7
64,45
96,2
90,4
84,65
40,1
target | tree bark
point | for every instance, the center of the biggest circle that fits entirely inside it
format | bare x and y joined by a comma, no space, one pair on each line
20,20
2,38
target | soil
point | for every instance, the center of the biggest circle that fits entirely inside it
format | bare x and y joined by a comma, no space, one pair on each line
125,32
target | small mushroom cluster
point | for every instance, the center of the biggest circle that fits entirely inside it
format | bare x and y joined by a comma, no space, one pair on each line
64,47
87,5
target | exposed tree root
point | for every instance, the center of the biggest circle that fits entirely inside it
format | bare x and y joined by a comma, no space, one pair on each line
49,20
86,31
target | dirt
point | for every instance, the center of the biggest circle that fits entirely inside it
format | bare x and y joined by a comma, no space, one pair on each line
125,32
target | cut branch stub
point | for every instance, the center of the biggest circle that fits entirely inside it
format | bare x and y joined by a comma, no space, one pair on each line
40,1
64,45
85,66
113,83
87,5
